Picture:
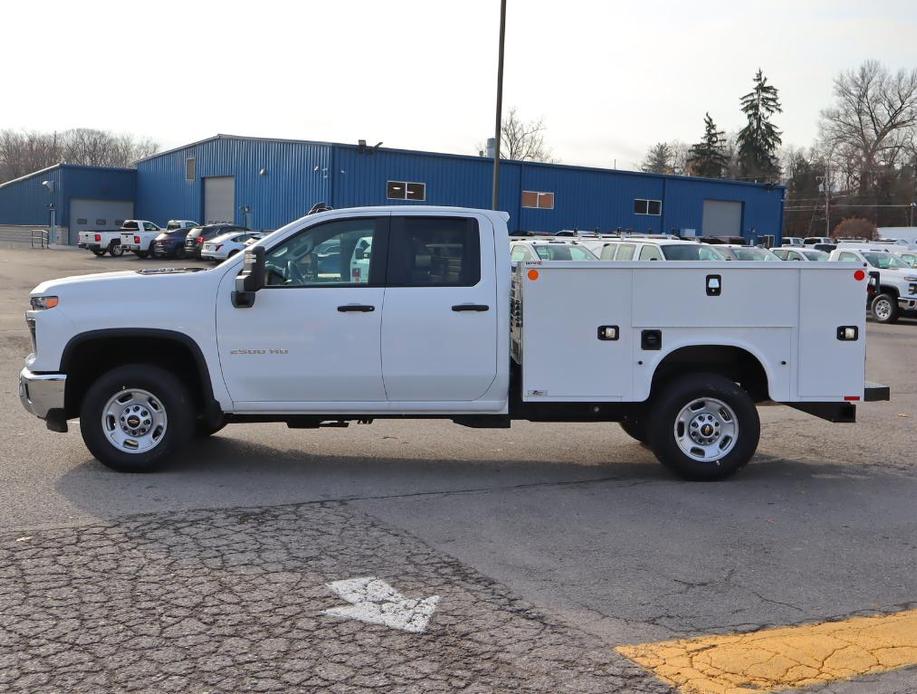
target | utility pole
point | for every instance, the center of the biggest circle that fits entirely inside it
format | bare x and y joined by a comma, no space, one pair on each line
499,119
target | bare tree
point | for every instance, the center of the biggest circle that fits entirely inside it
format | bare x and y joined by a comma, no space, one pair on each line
871,122
523,140
666,158
22,152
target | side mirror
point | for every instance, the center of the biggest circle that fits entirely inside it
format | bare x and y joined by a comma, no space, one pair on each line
251,279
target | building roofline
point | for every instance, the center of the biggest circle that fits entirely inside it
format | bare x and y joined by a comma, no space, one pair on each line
471,157
63,165
30,175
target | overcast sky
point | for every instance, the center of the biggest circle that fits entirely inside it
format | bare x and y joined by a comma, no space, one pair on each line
609,78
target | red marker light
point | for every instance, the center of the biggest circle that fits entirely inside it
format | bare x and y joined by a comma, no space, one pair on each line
851,398
859,275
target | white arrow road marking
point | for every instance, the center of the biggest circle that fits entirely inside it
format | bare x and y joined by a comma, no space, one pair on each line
374,601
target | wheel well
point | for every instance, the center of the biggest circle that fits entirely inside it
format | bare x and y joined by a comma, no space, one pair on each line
85,359
732,362
885,289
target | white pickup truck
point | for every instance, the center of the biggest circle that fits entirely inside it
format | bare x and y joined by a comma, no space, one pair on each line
437,325
100,242
139,235
897,291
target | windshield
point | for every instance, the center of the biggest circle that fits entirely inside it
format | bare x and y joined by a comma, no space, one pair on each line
557,251
884,261
815,255
752,253
690,251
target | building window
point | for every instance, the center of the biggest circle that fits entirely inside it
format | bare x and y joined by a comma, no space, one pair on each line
650,207
405,190
537,200
190,166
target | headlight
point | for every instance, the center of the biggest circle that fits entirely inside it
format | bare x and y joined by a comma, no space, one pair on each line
42,303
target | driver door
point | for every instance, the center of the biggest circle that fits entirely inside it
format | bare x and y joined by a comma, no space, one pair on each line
313,334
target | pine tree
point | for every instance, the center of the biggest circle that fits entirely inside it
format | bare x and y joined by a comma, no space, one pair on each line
659,159
708,157
759,139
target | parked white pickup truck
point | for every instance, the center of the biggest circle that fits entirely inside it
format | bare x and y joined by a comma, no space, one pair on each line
897,280
100,242
435,325
139,235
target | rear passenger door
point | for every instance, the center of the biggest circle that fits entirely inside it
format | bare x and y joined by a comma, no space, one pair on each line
439,322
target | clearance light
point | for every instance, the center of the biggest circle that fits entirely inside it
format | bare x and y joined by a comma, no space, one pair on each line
859,275
42,303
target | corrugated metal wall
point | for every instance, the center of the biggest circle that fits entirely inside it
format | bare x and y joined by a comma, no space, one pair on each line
25,201
278,181
296,175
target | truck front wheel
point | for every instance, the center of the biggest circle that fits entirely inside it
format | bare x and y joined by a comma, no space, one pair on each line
703,427
885,308
134,416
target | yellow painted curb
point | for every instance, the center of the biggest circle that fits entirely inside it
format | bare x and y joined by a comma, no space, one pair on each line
783,658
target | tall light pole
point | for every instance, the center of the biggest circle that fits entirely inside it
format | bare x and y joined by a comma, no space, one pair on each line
499,119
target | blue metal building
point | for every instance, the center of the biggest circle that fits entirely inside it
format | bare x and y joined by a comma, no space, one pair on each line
265,183
87,191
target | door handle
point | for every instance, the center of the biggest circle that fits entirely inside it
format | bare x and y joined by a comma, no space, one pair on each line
358,308
471,307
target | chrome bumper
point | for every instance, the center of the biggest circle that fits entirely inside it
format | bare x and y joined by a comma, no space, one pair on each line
41,393
907,304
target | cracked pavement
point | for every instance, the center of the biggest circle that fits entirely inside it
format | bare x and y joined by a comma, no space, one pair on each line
228,601
550,545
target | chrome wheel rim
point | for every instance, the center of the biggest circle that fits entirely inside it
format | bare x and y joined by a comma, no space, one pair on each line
134,421
706,430
882,309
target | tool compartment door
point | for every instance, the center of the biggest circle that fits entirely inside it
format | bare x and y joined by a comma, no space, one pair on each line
563,358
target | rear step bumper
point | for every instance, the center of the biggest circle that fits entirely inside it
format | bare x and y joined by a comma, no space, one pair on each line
876,392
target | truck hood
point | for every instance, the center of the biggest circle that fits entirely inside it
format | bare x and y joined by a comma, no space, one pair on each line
115,282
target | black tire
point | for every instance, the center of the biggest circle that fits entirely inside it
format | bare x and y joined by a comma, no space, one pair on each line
884,308
635,427
180,252
171,395
140,254
115,249
233,252
99,252
663,426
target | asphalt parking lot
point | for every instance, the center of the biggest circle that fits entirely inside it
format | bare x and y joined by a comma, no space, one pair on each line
541,558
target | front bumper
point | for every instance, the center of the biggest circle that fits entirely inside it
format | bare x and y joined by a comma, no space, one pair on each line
41,393
907,303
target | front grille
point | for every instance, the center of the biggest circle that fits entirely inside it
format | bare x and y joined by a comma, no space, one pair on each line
31,323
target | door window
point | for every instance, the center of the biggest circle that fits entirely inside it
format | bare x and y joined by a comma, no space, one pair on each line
625,251
339,254
848,257
650,253
434,252
520,252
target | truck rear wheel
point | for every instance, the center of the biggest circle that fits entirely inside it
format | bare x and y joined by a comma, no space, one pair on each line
703,427
134,416
885,308
99,252
115,249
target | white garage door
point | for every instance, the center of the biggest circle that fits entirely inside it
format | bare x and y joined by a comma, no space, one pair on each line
219,199
722,218
97,215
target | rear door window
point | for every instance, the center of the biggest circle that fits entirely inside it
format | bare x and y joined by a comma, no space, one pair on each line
625,251
650,253
434,252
